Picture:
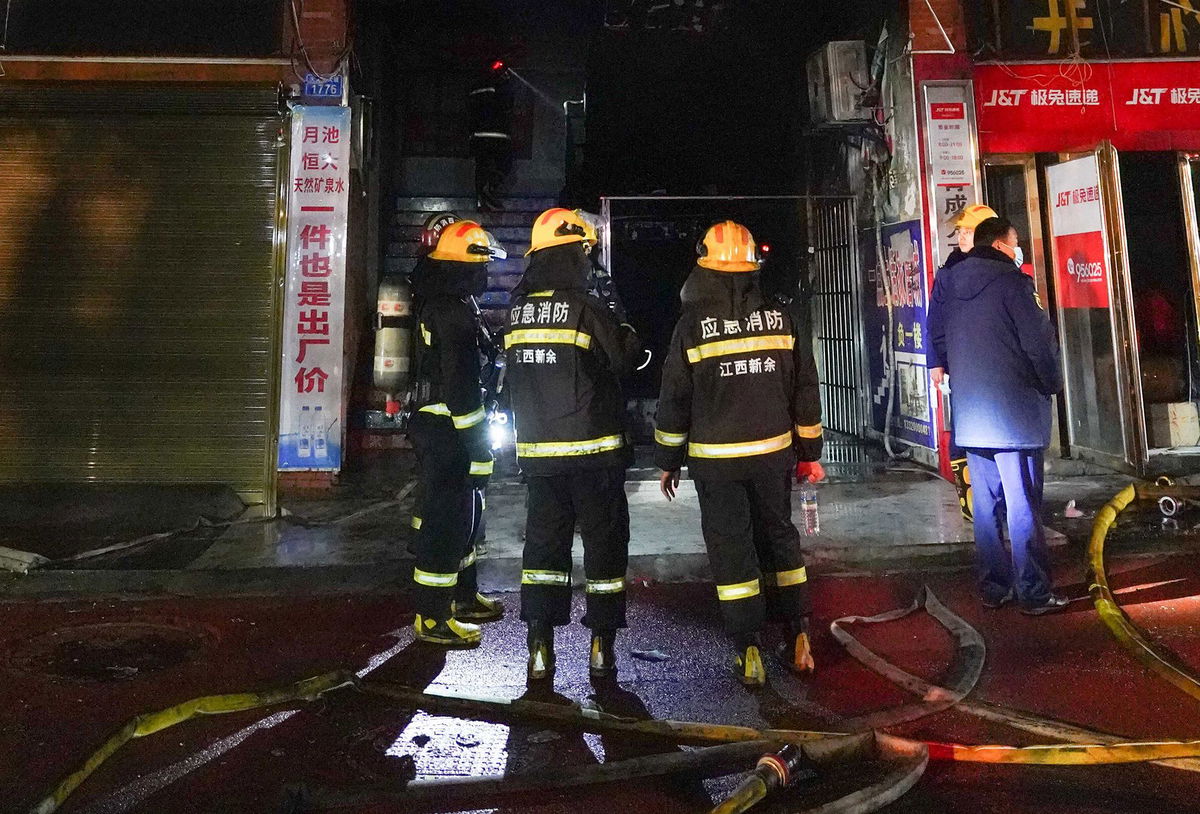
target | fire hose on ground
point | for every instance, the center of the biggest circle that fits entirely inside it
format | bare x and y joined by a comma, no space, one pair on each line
724,746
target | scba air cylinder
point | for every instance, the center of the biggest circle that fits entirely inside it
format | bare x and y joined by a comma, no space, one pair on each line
393,339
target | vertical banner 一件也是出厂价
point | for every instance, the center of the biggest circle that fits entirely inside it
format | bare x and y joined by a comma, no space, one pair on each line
310,412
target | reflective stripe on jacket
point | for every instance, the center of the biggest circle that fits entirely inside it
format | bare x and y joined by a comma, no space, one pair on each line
739,393
448,358
565,353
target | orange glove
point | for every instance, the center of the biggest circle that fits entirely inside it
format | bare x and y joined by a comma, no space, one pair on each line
810,471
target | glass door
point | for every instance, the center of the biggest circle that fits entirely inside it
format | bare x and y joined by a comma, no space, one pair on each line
1010,186
1090,277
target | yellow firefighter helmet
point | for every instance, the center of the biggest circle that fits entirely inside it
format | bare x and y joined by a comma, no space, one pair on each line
728,246
467,242
556,227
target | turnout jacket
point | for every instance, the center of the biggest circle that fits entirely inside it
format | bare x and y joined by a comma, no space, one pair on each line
988,330
565,354
447,352
740,396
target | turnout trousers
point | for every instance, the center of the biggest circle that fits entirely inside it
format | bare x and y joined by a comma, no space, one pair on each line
1008,482
595,498
754,551
447,517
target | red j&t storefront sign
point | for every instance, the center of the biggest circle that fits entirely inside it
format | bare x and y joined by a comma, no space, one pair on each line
1050,107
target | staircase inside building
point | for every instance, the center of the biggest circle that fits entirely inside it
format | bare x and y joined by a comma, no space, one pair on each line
510,226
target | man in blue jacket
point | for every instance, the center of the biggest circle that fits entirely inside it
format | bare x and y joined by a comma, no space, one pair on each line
990,334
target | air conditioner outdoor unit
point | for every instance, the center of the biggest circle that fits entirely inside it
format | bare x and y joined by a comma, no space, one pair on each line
837,76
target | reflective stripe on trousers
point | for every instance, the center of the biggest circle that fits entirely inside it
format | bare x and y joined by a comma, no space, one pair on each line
785,579
534,577
606,586
432,580
739,590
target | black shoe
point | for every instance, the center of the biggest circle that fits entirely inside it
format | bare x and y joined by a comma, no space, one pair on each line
602,662
1052,605
993,604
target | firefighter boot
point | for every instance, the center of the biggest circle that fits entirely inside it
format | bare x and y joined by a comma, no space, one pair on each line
748,663
541,652
448,633
796,651
479,609
797,655
602,663
962,485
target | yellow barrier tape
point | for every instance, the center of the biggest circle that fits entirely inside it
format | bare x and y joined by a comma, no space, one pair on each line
1120,625
149,723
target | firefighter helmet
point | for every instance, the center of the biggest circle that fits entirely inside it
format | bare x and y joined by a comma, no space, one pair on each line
728,246
467,242
556,227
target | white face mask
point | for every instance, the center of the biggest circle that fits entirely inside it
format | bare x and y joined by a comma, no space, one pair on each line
1018,254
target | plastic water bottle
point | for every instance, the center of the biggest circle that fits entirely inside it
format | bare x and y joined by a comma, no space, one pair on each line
304,437
320,434
810,513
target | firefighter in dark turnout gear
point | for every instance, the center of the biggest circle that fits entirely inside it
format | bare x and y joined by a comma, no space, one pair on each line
566,352
449,434
740,403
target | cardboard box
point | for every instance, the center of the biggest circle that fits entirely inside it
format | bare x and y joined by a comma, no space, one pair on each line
1174,425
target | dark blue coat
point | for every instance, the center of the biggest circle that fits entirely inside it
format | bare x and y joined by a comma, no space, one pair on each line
988,330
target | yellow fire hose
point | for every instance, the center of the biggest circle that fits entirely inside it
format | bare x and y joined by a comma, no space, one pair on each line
818,746
149,723
1125,631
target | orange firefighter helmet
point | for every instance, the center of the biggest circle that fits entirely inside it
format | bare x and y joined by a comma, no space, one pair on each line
728,246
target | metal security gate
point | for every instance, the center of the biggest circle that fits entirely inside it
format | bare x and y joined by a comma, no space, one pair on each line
139,296
837,303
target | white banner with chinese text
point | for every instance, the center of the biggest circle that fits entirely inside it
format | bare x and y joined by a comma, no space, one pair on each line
310,410
949,123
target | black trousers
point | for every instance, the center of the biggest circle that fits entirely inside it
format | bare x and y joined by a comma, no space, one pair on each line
754,551
446,519
595,499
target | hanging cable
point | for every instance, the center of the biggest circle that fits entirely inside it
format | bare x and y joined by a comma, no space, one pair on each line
303,49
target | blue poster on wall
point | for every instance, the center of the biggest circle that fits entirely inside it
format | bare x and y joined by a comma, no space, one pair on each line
901,274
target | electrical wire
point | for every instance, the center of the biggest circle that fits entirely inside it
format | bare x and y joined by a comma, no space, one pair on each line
303,49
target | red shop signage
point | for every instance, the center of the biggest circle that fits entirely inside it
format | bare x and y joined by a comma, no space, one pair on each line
1057,106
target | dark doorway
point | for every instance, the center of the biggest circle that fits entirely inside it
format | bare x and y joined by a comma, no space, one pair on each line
1162,286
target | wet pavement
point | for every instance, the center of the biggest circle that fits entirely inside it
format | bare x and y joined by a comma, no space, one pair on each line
88,644
75,671
356,539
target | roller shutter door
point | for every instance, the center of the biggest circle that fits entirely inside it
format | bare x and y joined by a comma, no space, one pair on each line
139,284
